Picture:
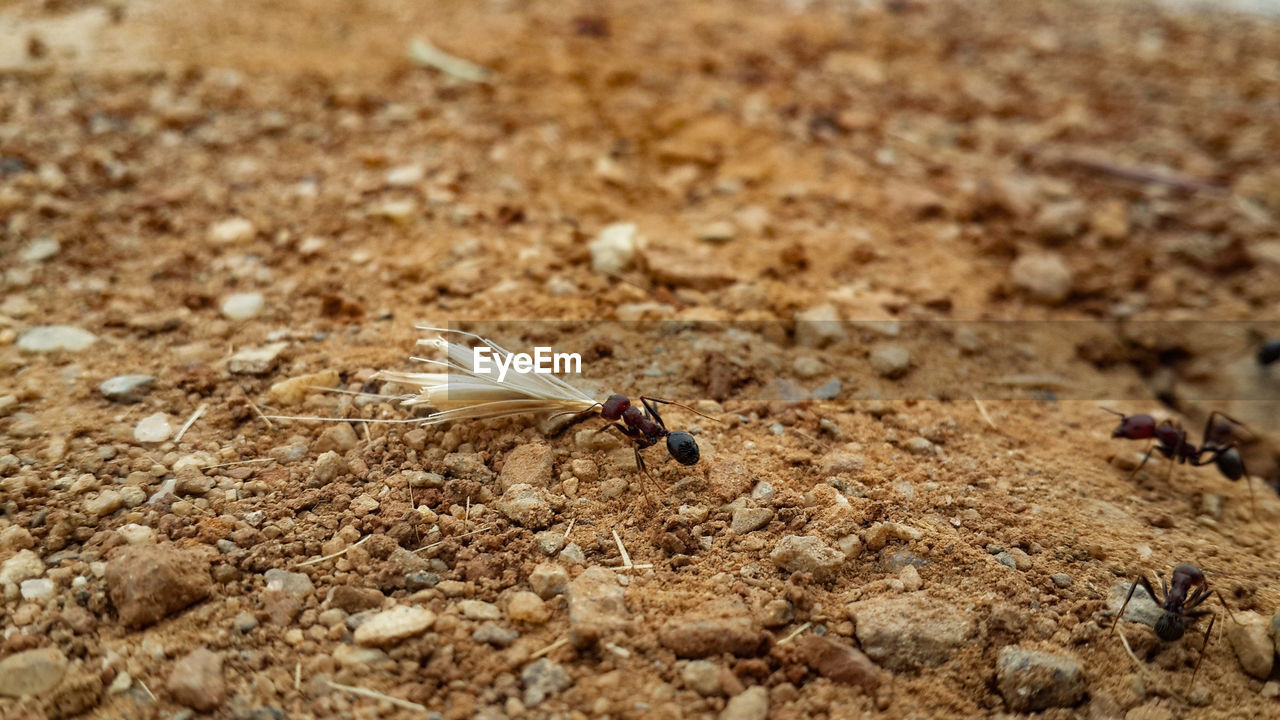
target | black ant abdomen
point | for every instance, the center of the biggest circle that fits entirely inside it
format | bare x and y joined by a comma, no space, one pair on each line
682,447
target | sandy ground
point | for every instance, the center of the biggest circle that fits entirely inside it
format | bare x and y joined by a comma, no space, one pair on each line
900,252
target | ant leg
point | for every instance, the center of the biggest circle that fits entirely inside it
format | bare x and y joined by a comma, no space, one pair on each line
1213,618
644,484
578,416
1226,607
1151,447
1146,585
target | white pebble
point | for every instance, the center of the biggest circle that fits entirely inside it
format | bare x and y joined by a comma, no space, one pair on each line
40,249
242,306
37,589
614,248
153,428
234,230
51,338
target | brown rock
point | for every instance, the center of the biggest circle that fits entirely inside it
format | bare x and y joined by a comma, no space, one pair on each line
281,608
840,663
355,599
728,480
148,582
196,681
718,627
530,464
597,605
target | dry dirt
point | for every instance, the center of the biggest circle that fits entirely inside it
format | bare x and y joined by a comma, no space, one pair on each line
1051,206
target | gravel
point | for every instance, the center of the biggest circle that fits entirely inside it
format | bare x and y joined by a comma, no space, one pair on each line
149,582
154,428
614,248
542,679
1045,276
746,520
126,388
751,704
796,553
55,338
597,605
1250,637
889,360
242,306
1030,681
197,682
912,631
389,627
32,672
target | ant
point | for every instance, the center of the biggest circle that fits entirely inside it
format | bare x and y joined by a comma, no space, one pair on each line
1218,442
1178,610
645,428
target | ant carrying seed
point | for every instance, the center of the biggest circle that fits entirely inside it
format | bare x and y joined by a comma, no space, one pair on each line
644,428
1178,610
1219,445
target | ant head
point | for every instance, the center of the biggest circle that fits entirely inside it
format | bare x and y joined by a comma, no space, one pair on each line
1135,427
1170,627
613,408
683,448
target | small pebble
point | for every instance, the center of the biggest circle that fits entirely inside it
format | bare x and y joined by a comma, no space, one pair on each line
1031,681
233,230
889,359
256,360
614,248
54,338
126,388
1044,275
751,704
242,306
154,428
38,589
1062,580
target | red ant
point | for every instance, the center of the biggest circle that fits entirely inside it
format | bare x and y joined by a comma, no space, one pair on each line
1178,610
645,428
1218,442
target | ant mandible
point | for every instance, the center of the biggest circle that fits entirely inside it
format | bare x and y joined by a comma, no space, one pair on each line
1178,611
1218,442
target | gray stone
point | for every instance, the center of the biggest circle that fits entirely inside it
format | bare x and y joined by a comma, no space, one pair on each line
54,338
1141,608
889,359
1061,580
797,553
33,672
911,632
1251,638
290,583
328,467
597,604
479,610
747,519
257,360
493,634
126,388
830,390
542,679
1044,275
702,676
467,466
549,542
197,682
818,326
751,704
549,580
1031,681
527,506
